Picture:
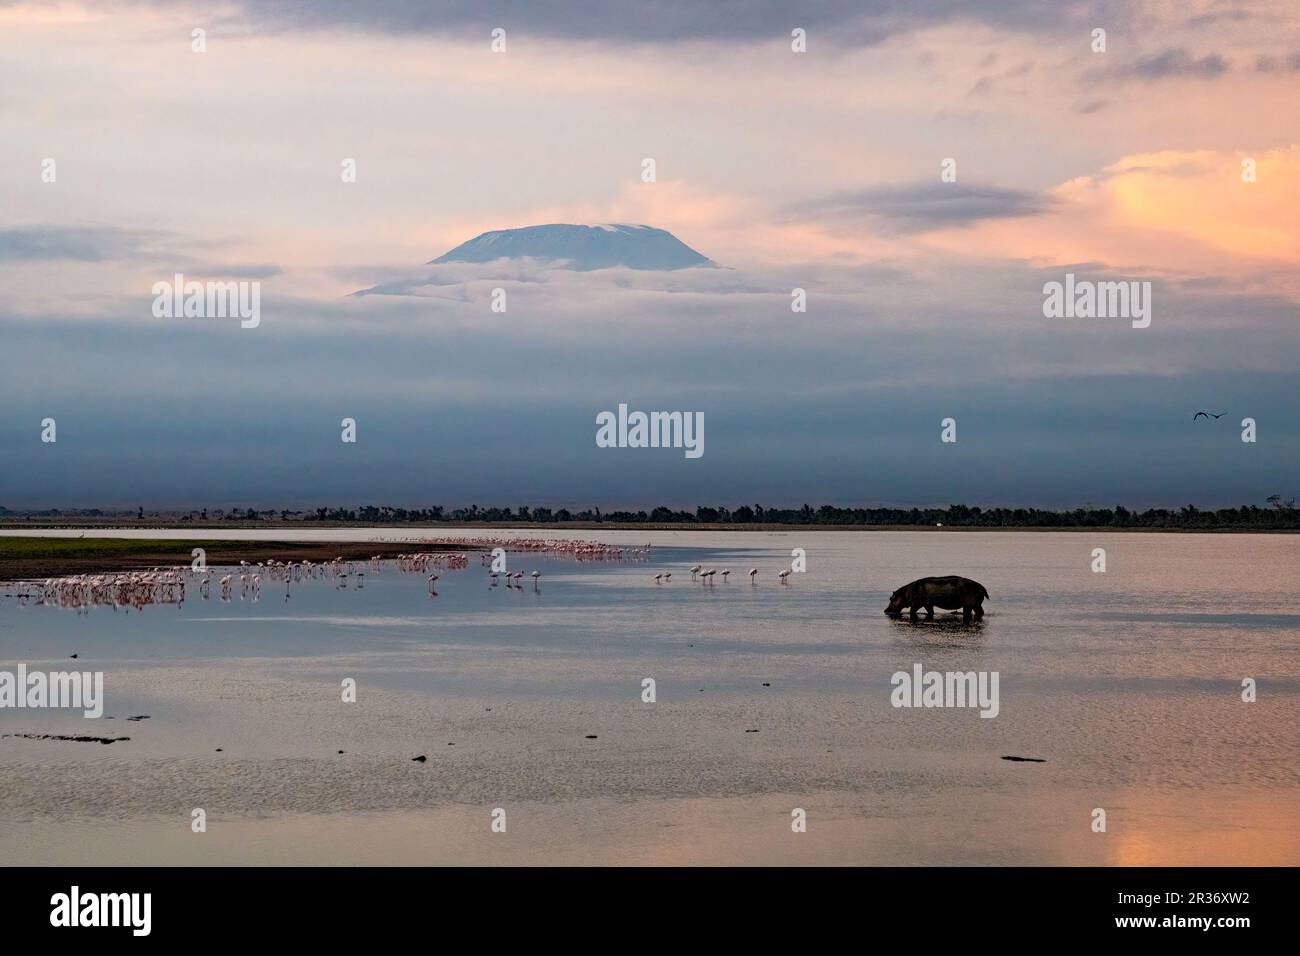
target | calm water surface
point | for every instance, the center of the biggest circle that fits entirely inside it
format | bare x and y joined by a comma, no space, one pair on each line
769,697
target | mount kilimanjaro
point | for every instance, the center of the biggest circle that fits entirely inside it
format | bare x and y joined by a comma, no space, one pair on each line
582,248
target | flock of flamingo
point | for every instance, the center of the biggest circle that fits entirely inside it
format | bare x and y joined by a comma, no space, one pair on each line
564,547
124,589
168,585
705,575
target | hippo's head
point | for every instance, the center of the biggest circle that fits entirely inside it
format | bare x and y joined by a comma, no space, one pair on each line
895,606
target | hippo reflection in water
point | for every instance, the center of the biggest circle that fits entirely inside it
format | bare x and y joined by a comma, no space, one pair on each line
949,593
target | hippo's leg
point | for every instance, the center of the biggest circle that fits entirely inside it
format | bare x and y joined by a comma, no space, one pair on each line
929,610
912,612
979,612
965,614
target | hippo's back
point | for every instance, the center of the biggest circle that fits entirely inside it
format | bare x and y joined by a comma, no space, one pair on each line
949,581
949,586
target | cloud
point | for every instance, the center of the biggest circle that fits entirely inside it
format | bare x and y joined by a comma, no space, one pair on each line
855,387
986,84
1272,64
78,243
1174,212
464,281
923,206
1178,62
236,271
1218,16
829,23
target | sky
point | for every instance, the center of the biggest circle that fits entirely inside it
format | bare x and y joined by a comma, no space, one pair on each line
821,170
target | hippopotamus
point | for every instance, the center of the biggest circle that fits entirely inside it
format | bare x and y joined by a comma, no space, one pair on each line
948,593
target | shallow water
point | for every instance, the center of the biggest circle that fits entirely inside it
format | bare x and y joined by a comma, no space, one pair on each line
1127,683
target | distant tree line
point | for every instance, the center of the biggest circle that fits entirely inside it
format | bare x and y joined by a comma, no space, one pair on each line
1252,516
1279,516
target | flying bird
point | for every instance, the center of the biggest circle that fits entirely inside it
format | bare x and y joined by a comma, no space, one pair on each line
1208,415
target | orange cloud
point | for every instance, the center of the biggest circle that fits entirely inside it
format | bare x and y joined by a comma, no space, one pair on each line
1176,212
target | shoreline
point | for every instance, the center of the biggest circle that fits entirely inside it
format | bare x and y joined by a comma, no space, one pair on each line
36,556
28,558
132,524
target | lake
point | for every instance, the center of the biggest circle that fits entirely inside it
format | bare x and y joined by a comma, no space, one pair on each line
768,699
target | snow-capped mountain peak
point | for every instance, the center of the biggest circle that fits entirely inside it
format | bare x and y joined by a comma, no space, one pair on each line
582,247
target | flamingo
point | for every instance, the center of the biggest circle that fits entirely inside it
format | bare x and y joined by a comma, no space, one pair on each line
695,570
753,573
783,575
724,575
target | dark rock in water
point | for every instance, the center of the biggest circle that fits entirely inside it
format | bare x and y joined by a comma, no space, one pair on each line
591,737
340,751
139,717
1025,759
420,759
751,731
218,750
74,656
75,738
766,684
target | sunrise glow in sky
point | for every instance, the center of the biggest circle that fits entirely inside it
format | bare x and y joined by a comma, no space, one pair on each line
818,170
